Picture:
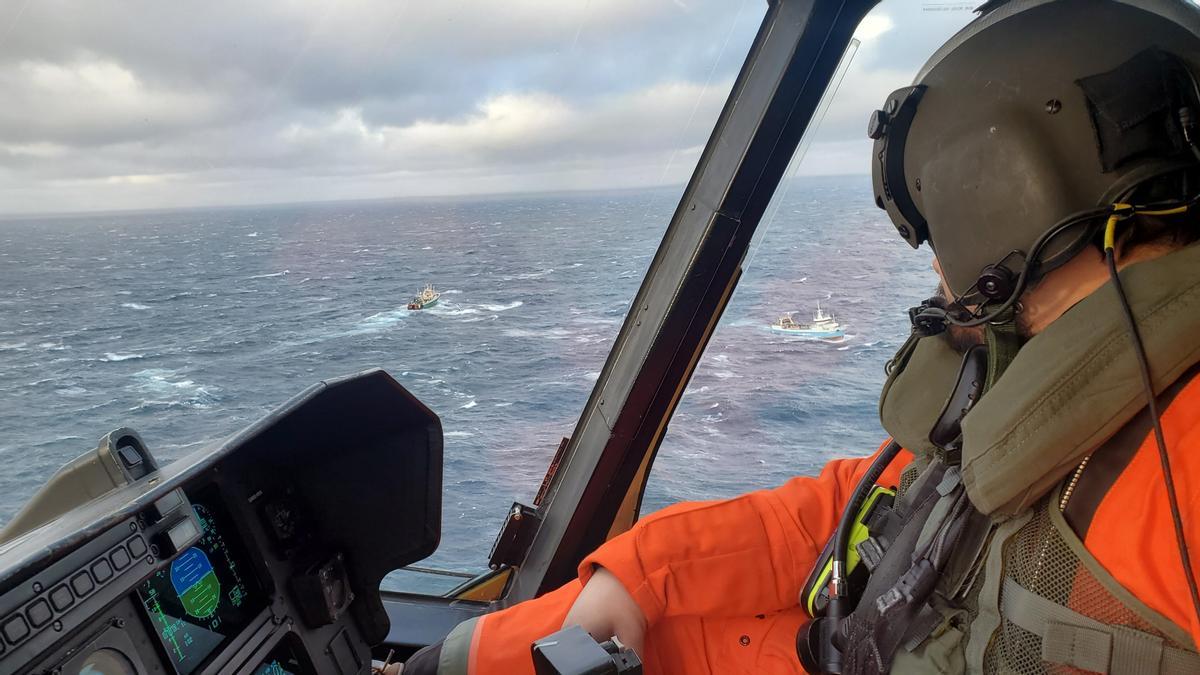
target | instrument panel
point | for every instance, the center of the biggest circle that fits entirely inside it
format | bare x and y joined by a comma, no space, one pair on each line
259,556
207,595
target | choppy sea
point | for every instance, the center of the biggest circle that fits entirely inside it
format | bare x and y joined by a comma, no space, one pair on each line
188,325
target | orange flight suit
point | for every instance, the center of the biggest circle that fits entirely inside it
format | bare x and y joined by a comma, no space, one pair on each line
719,581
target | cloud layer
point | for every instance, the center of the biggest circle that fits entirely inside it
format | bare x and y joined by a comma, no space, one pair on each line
148,104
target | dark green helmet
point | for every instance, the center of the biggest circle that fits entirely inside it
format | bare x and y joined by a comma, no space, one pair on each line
1035,111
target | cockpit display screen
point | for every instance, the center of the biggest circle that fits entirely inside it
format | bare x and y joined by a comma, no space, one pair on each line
286,659
208,594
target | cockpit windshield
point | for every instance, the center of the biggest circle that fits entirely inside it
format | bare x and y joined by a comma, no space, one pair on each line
207,207
792,374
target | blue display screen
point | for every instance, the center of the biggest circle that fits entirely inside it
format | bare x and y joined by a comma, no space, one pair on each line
207,595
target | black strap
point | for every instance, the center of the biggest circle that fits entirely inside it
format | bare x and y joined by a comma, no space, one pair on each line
895,609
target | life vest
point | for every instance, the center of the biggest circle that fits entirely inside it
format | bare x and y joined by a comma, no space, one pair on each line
982,572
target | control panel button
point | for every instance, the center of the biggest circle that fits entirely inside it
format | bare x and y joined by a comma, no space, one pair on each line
39,613
137,546
102,571
165,505
82,584
61,598
15,629
120,558
178,537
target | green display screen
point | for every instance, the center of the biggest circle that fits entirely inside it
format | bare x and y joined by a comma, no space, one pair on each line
207,595
285,659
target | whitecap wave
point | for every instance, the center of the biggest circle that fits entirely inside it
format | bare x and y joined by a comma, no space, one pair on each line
455,309
446,309
548,333
468,405
535,275
117,356
380,321
595,321
502,308
135,305
268,276
164,388
458,434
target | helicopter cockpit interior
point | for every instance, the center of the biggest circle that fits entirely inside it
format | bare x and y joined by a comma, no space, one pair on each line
247,558
263,554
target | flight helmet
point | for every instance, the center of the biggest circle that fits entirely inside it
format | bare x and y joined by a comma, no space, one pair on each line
1036,114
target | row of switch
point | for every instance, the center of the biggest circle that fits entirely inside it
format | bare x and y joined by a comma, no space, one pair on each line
39,612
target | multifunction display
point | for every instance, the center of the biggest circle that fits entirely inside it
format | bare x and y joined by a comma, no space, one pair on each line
286,659
208,594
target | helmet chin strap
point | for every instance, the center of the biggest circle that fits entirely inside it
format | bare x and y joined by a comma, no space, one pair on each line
1003,342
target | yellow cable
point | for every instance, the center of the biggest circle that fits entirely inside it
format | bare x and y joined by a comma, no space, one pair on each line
1121,211
1110,231
1165,212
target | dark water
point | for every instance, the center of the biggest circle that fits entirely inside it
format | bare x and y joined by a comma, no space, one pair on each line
188,325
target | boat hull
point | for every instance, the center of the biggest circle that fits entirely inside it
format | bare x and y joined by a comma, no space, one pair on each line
809,334
423,305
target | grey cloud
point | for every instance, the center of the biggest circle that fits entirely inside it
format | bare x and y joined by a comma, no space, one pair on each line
141,103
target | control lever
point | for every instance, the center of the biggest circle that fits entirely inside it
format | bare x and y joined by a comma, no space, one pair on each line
572,651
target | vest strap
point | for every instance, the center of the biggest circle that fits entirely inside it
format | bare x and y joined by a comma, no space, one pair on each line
455,655
1072,639
1003,342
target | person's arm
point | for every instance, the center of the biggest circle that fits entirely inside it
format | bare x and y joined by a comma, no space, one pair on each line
734,557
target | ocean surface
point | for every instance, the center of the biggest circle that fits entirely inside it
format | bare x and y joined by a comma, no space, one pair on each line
189,325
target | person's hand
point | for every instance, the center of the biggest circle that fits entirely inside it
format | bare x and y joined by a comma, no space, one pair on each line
604,608
378,668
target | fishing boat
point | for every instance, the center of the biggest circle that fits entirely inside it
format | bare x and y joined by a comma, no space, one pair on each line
428,297
822,327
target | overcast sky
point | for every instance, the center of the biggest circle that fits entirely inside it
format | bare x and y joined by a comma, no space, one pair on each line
144,104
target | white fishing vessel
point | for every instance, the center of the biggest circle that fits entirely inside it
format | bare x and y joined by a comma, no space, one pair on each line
822,327
428,297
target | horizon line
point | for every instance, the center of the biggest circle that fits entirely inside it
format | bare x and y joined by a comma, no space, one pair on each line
42,215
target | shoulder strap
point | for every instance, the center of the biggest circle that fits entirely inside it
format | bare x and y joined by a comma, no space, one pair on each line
1072,639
